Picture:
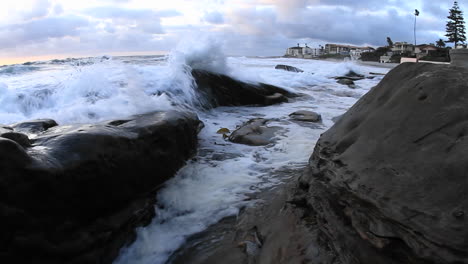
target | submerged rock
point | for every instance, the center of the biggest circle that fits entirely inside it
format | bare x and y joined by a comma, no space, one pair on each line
255,133
306,116
222,90
79,192
287,68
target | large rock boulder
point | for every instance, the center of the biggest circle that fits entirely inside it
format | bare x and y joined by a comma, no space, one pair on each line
388,182
77,194
222,90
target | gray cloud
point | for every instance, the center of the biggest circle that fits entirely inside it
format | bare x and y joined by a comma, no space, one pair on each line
258,27
213,17
41,30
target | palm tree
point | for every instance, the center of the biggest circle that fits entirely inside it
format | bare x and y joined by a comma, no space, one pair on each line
440,43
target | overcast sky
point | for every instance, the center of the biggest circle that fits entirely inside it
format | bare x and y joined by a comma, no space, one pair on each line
35,29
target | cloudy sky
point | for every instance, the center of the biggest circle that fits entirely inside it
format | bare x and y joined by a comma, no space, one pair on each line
39,29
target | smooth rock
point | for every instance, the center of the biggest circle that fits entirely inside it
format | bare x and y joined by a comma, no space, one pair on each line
34,126
19,138
306,116
12,156
81,190
222,90
254,133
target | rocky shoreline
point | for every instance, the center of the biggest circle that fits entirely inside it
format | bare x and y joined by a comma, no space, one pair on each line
386,184
76,193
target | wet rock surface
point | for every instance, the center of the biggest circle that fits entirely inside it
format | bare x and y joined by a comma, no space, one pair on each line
255,132
77,194
386,180
306,116
34,126
287,68
222,90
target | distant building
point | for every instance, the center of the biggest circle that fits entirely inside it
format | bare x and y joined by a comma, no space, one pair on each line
425,49
346,49
402,48
303,52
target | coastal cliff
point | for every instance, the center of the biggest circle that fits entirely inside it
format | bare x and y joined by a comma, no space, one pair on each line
386,184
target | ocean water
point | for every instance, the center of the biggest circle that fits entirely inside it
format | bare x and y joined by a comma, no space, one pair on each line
219,181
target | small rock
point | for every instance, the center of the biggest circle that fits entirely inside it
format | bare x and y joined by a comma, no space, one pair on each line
275,99
34,126
223,131
306,116
288,68
254,133
354,74
345,82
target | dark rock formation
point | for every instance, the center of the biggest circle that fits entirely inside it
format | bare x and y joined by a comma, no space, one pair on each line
288,68
336,118
222,90
306,116
349,79
388,182
34,126
255,132
345,81
19,138
78,193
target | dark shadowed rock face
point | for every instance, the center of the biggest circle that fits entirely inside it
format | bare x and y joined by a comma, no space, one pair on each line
388,181
76,195
222,90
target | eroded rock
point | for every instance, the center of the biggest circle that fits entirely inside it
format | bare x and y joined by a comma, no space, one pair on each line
385,180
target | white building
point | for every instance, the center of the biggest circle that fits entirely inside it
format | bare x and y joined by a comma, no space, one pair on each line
303,52
402,47
346,49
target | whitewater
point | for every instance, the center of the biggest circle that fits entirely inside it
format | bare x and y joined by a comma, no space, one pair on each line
222,177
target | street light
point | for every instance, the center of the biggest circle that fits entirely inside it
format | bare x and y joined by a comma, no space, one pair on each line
416,14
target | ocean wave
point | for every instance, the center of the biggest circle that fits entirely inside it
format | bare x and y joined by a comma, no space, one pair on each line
18,69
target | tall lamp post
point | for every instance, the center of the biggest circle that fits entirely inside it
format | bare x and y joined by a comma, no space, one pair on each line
416,14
